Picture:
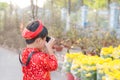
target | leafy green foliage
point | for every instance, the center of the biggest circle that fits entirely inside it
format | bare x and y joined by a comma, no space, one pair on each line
62,3
96,4
3,5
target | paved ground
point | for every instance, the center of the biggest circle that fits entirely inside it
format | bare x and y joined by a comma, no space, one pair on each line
10,68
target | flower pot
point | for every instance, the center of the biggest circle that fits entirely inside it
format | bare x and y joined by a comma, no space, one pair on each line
58,48
69,76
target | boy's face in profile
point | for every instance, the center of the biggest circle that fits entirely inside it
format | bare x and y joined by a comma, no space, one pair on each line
40,43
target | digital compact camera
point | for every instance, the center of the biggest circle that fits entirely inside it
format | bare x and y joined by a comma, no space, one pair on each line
48,38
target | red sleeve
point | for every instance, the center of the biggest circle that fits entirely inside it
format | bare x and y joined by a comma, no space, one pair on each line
50,62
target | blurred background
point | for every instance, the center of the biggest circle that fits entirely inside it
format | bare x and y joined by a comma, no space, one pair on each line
85,24
78,25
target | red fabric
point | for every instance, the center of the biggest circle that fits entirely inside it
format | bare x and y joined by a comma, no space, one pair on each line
40,65
27,34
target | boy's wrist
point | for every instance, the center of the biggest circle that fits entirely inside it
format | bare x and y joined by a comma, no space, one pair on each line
50,51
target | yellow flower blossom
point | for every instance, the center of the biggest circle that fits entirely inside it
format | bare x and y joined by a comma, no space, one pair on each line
100,71
107,50
88,75
103,78
109,67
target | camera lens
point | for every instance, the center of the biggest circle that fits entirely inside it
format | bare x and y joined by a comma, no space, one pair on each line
48,38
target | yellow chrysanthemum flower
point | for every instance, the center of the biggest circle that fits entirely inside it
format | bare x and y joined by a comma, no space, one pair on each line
88,75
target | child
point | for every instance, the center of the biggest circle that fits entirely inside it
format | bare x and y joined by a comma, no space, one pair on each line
36,64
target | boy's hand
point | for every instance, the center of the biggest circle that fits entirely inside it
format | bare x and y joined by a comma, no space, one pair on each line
50,44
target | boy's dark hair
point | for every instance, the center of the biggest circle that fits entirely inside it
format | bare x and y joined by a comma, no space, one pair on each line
32,27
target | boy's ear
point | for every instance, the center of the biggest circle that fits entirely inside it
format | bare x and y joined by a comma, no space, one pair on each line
38,40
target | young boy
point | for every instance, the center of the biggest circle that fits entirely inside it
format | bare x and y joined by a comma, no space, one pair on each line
36,64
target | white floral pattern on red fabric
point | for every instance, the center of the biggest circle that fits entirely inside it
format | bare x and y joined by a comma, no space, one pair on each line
39,66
